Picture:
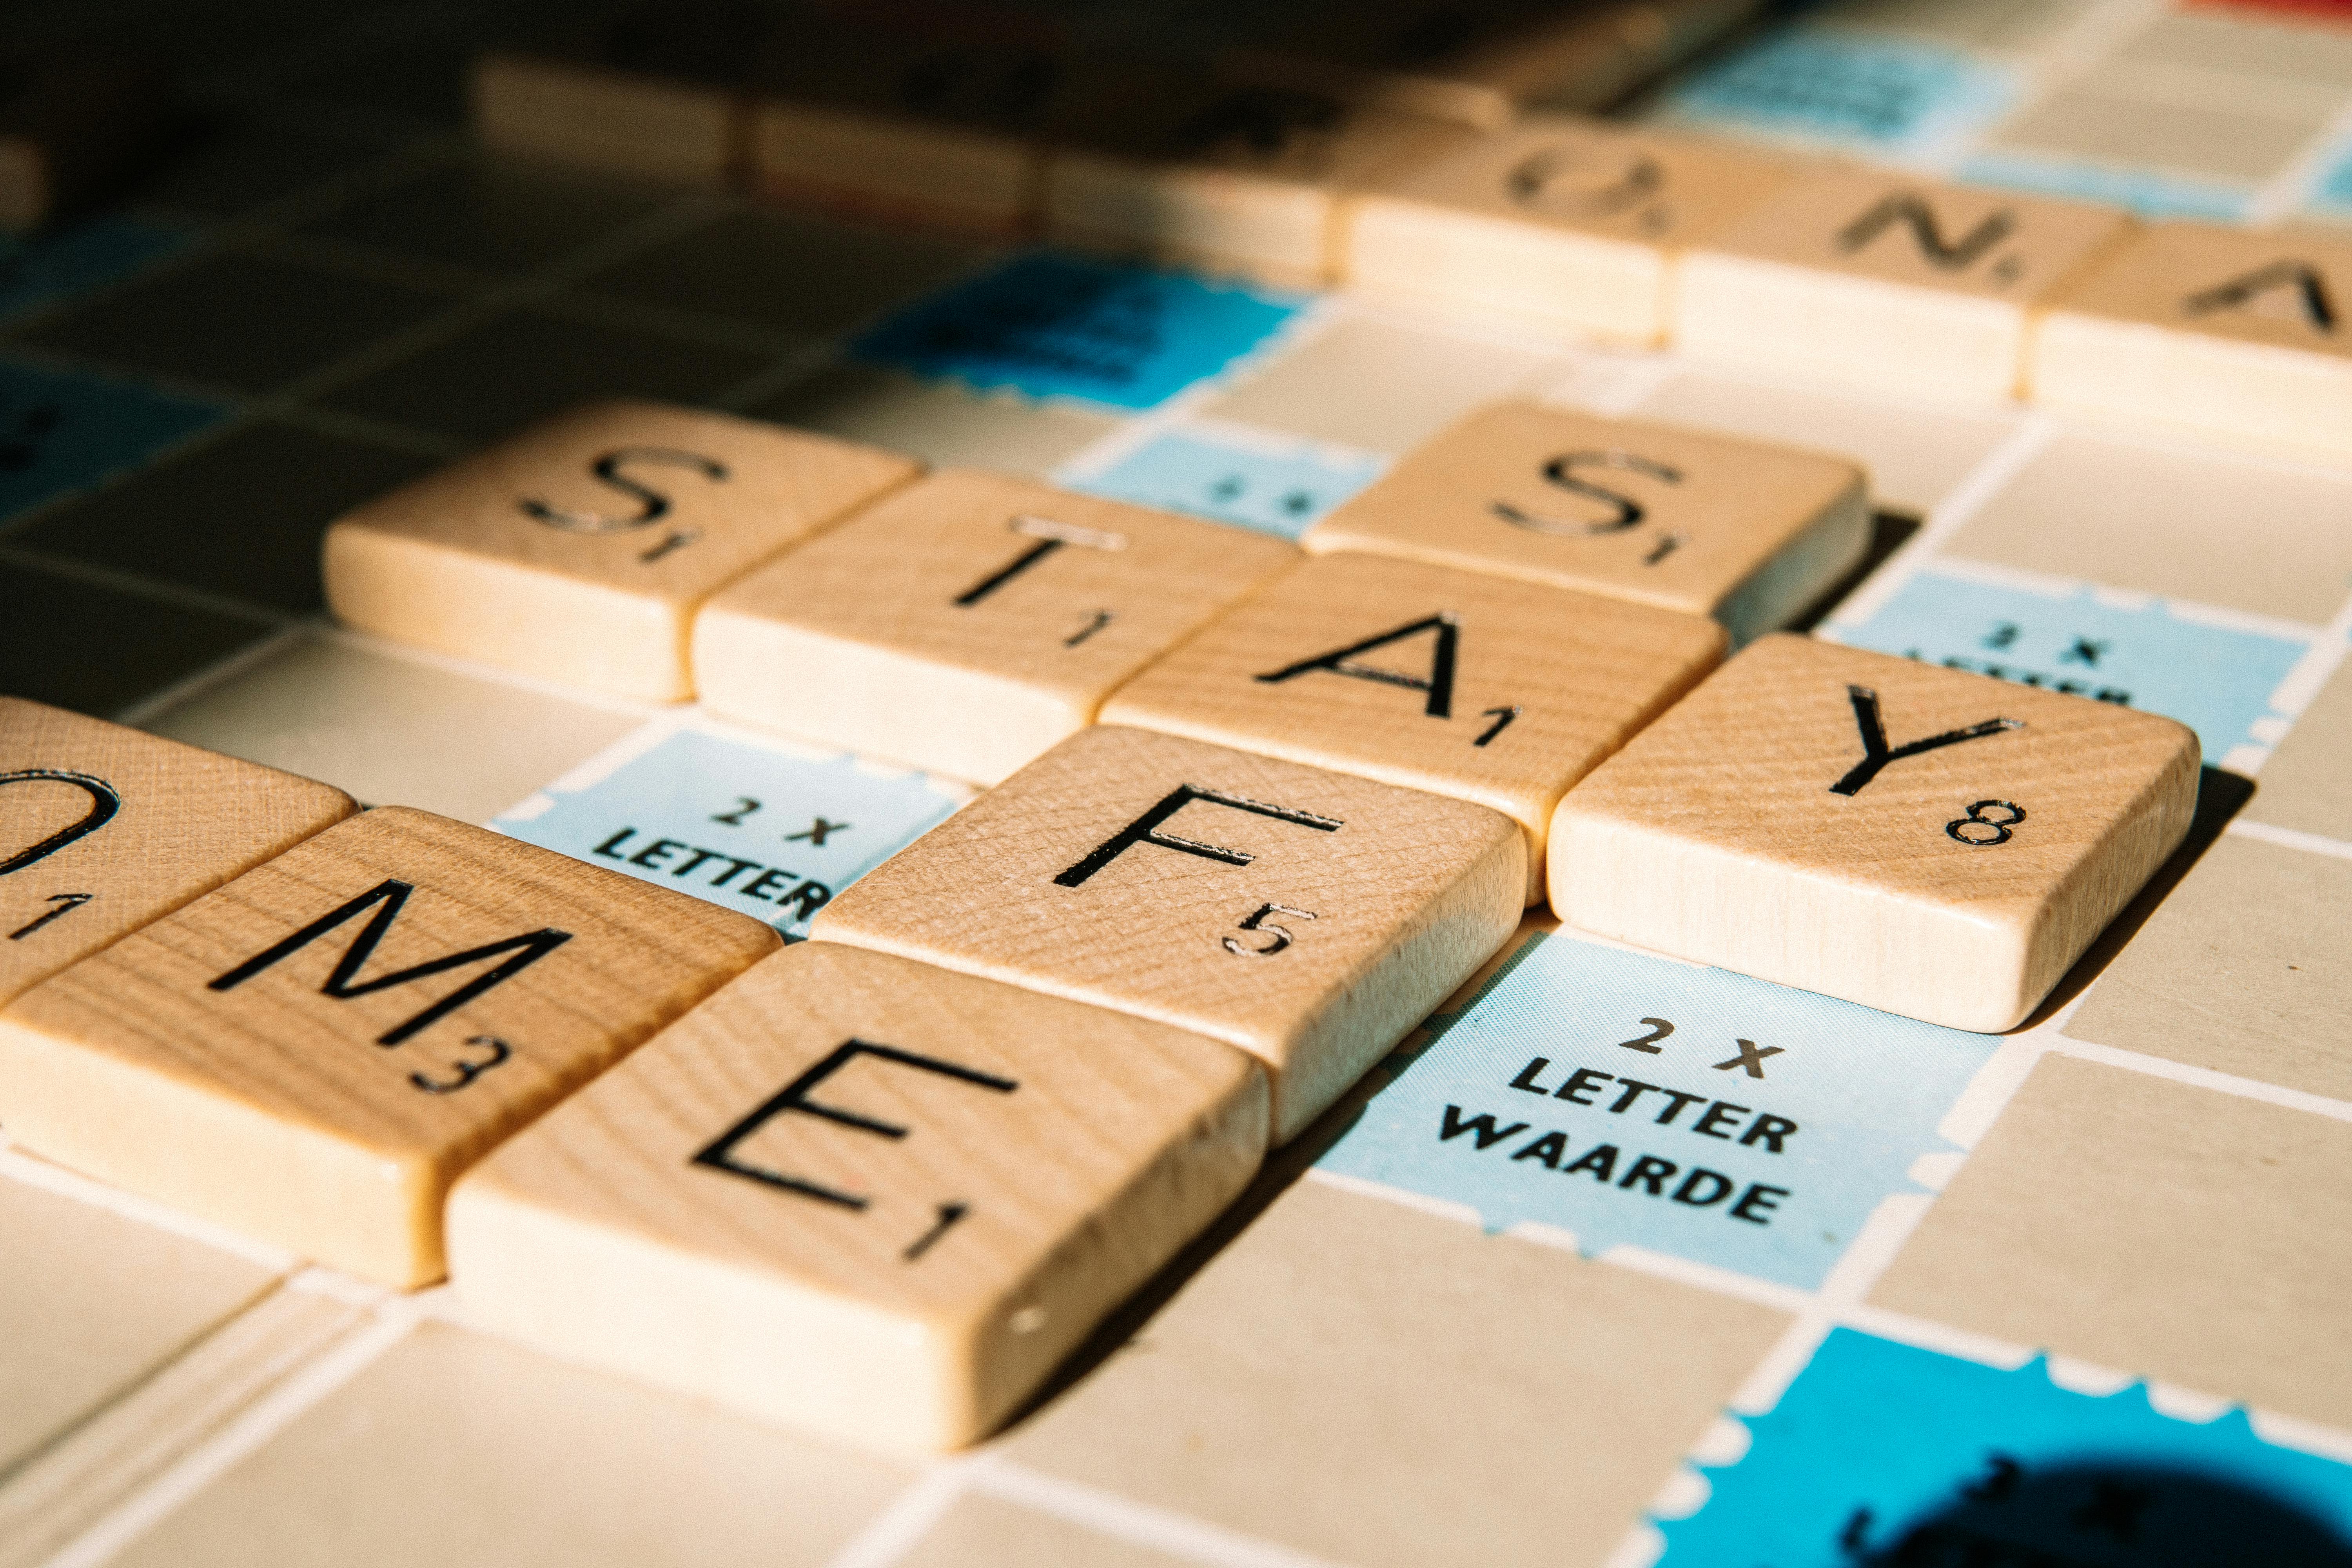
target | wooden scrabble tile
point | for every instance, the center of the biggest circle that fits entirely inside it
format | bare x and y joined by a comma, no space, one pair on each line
1239,179
580,550
1309,917
1569,224
968,622
1917,840
2230,329
1704,524
1338,1314
284,1057
860,1194
597,116
1859,276
527,1460
942,129
2151,1228
1480,688
104,829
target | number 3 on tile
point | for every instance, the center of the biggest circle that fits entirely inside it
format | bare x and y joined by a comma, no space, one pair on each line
1258,922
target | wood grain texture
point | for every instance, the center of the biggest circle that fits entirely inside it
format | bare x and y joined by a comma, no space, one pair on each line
2230,331
1232,179
104,829
1568,223
1866,277
704,1216
245,1060
1480,688
580,550
1312,938
968,622
1704,524
1749,828
596,117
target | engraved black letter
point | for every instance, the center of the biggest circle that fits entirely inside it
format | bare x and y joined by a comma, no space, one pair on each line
651,504
1911,210
1874,753
1624,510
2311,291
103,804
1144,829
1439,683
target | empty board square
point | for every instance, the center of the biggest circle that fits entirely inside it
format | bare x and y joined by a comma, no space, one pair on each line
1322,920
2301,784
2237,972
1896,1451
1459,683
859,1195
1385,387
94,1302
201,1061
1625,1099
793,272
769,832
526,1458
1276,487
241,165
150,643
105,828
1845,88
465,387
486,214
967,622
1060,326
2120,1218
2226,330
2216,677
581,549
43,269
240,516
1886,281
981,1531
938,422
1966,838
1568,223
2133,511
244,320
393,729
62,430
1338,1314
1706,525
2099,118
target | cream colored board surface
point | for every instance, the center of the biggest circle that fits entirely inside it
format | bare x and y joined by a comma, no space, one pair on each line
968,622
2138,511
1480,688
393,729
282,1057
2241,970
1385,386
1567,223
457,1447
580,550
941,423
620,122
1916,453
2161,1230
1235,179
1308,916
104,829
2302,786
1369,1383
2227,330
1707,525
1921,840
859,1195
1874,279
90,1303
980,1532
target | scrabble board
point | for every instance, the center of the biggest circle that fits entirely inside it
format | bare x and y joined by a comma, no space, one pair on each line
2071,1292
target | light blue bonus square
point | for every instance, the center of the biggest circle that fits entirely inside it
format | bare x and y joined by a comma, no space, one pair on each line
61,432
2333,193
1889,95
1882,1454
1278,492
1692,1111
1065,326
2216,679
766,832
